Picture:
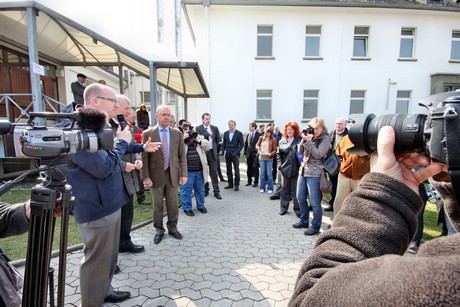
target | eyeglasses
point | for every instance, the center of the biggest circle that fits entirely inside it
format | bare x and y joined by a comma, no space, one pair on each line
114,100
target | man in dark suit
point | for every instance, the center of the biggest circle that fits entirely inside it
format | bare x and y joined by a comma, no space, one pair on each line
250,152
78,87
164,170
211,133
231,146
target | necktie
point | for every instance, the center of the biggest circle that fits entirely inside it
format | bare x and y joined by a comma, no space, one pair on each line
164,148
252,137
210,138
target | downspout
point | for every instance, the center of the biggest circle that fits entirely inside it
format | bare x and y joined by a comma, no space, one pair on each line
177,10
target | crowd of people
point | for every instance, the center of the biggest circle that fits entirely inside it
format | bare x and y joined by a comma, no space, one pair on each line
374,206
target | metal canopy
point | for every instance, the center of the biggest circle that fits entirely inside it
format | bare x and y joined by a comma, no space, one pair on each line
65,42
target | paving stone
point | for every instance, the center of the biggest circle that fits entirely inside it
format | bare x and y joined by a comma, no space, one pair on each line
193,295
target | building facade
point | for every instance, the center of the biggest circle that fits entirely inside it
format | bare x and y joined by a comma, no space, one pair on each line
278,61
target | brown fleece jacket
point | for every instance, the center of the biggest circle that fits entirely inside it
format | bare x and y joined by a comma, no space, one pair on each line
359,262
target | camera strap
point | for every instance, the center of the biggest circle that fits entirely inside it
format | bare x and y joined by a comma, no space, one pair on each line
451,130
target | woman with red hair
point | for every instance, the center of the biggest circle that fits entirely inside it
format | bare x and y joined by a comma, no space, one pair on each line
289,166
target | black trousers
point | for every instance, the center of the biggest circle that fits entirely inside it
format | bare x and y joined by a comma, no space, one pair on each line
235,162
212,162
127,214
334,180
252,170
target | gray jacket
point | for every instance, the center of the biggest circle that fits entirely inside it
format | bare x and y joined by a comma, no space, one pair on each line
314,151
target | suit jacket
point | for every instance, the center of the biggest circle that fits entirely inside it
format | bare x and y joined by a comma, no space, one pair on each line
77,91
250,145
153,162
201,130
232,148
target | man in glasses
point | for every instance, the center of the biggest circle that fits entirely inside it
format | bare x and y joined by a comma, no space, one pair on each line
99,193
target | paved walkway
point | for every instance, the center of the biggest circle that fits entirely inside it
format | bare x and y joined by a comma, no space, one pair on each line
241,253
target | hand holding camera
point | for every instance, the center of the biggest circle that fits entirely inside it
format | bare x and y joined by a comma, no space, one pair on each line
124,134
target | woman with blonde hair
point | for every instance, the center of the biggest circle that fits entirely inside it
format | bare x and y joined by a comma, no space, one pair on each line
314,147
266,150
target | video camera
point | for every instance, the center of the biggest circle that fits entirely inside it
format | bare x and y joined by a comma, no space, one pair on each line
38,141
309,130
436,134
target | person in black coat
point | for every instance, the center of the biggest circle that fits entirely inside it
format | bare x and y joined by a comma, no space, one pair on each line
250,152
232,146
78,87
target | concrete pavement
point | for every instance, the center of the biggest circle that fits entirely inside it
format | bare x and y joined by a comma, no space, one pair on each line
241,253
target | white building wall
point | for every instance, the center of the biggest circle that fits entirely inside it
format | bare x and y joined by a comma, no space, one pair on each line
226,43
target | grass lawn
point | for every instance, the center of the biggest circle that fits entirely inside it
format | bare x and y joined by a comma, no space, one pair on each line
16,247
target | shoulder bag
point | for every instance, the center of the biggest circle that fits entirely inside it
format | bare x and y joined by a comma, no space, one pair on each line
325,184
332,163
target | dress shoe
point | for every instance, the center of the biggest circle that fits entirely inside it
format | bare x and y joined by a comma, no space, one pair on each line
329,208
189,213
131,248
255,185
237,188
176,235
117,270
274,196
283,212
203,210
310,232
144,202
248,184
217,195
413,248
157,238
117,297
228,187
299,225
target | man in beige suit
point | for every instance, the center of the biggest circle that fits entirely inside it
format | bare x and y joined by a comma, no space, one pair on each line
164,170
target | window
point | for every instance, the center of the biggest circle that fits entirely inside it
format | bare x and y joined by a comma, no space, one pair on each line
402,102
145,97
264,41
264,104
357,102
407,43
310,104
455,50
360,42
312,41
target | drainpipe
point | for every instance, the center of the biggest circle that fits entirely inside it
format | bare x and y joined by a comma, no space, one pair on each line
390,83
160,21
177,11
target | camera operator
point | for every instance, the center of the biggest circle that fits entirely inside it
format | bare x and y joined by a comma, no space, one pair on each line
196,147
360,261
97,184
14,220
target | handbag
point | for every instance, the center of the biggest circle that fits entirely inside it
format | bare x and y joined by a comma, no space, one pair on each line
332,164
325,184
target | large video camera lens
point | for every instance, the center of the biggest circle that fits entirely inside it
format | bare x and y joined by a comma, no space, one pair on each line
409,130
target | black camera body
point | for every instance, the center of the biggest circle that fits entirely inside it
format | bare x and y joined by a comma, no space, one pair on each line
37,141
436,134
309,130
192,134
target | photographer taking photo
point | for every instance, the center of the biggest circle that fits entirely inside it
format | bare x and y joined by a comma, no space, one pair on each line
196,147
360,261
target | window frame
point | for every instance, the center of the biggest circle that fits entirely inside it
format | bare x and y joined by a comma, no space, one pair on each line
361,37
260,98
401,98
313,36
260,36
407,37
355,98
455,43
313,99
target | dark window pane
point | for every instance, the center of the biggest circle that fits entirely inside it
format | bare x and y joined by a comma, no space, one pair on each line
406,48
264,46
312,46
361,30
455,52
310,108
356,106
359,47
264,29
313,30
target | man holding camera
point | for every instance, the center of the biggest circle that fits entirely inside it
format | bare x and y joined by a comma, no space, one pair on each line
360,259
163,171
96,178
231,147
196,147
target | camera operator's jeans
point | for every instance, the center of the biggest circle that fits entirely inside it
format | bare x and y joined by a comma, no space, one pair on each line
195,181
266,176
310,186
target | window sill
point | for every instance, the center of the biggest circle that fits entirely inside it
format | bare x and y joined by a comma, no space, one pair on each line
267,120
454,61
306,120
360,59
407,60
264,58
313,58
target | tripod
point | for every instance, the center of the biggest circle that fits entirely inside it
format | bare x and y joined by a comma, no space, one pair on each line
43,203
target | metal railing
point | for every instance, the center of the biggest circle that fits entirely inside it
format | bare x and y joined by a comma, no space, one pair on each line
9,101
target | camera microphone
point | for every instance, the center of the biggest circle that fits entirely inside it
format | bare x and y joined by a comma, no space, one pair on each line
121,121
91,119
